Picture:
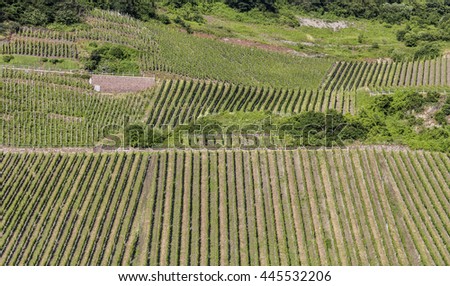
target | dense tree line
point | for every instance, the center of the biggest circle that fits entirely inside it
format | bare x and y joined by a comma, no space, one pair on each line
42,12
391,11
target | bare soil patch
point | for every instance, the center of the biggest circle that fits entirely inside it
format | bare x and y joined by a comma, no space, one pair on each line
121,84
7,117
322,24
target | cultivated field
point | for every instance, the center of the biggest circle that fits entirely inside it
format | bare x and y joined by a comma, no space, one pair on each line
50,109
45,109
165,50
70,205
365,206
353,75
181,101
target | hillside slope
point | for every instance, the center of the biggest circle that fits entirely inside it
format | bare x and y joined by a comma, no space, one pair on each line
367,206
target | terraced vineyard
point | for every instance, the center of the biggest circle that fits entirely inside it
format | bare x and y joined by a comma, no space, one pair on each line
366,206
103,27
165,50
353,75
181,101
52,109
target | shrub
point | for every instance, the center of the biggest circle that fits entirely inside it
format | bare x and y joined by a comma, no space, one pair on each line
427,50
34,16
56,61
117,52
411,39
401,35
7,58
395,13
432,97
406,101
361,38
164,19
398,55
440,117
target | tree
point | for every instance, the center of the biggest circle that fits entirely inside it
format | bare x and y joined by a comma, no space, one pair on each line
247,5
68,12
395,13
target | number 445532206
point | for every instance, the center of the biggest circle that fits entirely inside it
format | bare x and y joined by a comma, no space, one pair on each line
306,276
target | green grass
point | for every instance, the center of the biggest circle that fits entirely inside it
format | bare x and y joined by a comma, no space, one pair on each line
36,62
342,44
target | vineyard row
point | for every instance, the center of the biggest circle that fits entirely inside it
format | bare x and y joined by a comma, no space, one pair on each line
365,206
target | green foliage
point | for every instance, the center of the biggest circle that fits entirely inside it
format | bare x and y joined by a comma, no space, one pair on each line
322,129
395,13
68,12
163,18
34,16
190,12
427,51
56,61
392,119
7,58
247,5
440,117
112,59
400,102
41,13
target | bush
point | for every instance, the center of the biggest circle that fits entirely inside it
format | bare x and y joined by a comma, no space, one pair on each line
190,12
395,13
68,13
7,58
164,19
398,55
446,109
361,38
56,61
407,101
401,35
411,39
117,52
432,97
440,117
427,50
35,17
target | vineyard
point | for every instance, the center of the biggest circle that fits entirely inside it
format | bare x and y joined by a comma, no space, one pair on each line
48,109
354,75
53,109
198,175
181,101
161,49
366,206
